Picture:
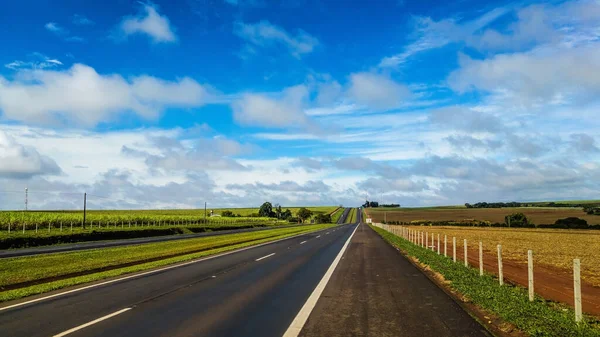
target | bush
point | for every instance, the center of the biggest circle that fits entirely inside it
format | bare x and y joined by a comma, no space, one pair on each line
227,213
572,222
516,220
323,218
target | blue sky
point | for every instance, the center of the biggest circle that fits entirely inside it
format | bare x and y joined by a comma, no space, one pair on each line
162,104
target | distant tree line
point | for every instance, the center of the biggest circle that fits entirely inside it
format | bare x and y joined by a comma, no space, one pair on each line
372,204
589,208
268,210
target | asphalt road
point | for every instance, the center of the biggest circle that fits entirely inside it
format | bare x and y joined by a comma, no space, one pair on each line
259,291
375,291
344,216
237,294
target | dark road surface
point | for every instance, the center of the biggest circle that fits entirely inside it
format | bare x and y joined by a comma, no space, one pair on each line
375,291
258,292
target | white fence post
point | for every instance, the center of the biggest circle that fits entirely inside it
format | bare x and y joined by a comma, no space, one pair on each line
500,275
480,259
426,240
466,261
454,248
577,289
438,241
432,242
445,246
530,274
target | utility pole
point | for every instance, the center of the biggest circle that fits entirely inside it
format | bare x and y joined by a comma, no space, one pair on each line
84,209
26,198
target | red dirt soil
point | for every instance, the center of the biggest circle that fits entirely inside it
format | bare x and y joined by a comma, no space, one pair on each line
550,282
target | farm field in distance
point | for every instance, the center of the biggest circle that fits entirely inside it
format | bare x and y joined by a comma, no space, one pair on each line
122,218
538,215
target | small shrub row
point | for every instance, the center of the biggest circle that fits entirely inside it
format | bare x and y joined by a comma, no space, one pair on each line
45,239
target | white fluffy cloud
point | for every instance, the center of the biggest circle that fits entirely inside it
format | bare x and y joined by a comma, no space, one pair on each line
84,97
151,23
18,161
266,111
377,91
538,76
266,34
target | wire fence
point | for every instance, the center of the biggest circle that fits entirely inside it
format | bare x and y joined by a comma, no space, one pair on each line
81,212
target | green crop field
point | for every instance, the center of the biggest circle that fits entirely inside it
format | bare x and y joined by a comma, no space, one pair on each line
11,221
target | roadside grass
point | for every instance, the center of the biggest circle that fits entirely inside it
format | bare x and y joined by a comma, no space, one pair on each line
337,215
510,303
351,216
107,261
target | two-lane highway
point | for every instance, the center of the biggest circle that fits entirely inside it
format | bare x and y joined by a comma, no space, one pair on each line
254,292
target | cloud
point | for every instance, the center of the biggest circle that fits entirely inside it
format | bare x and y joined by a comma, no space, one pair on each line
22,162
149,22
36,61
308,163
525,77
366,165
62,32
431,34
466,119
284,186
467,143
531,26
81,20
81,96
56,28
377,91
375,186
286,110
264,34
584,143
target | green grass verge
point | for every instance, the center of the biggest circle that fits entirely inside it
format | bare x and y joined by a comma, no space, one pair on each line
511,303
351,216
33,268
337,215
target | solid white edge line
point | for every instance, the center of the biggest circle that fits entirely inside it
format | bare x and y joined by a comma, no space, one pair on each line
303,242
264,257
318,236
302,316
92,322
148,272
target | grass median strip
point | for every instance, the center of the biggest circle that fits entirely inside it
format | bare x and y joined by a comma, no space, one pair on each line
510,303
60,270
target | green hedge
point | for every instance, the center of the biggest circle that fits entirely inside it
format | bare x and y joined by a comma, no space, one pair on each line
42,238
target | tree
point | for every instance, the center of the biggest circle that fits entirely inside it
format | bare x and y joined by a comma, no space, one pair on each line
516,220
287,214
323,218
266,210
227,213
278,211
304,214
